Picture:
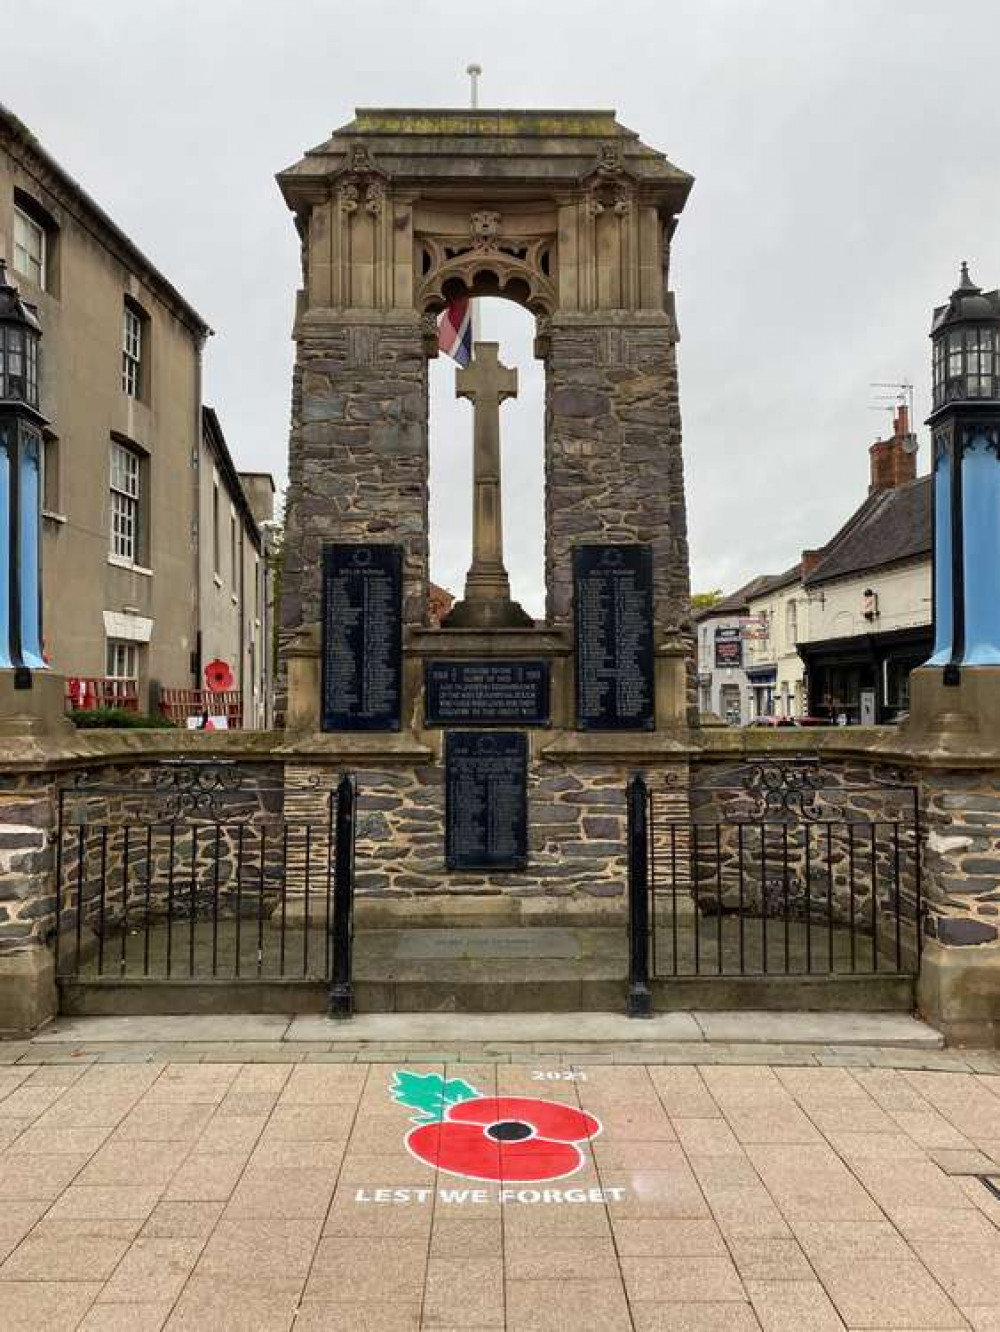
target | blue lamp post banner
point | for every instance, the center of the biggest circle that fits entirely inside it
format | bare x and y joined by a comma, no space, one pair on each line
20,482
965,427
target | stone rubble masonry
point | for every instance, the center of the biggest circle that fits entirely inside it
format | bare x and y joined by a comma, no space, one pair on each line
27,824
836,821
357,460
962,856
613,467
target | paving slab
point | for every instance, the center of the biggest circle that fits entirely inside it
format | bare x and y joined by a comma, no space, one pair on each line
836,1028
409,1028
193,1027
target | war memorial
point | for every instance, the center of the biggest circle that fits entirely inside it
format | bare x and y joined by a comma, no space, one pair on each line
494,813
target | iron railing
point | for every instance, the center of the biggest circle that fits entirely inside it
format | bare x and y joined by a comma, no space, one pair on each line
205,871
783,869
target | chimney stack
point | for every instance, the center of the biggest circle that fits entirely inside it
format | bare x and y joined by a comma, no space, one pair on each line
894,461
810,558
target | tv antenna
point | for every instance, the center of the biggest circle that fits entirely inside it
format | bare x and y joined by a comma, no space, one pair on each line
901,395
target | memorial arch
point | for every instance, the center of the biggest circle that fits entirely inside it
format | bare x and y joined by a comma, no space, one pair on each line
569,214
566,212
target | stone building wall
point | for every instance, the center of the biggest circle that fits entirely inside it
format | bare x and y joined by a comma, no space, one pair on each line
613,467
357,460
962,856
842,846
27,825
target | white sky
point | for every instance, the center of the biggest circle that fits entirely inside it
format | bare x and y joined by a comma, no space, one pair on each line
845,155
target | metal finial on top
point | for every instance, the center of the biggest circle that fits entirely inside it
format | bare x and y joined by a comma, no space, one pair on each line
474,71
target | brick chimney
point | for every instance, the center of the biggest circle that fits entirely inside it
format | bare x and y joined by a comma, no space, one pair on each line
894,460
810,558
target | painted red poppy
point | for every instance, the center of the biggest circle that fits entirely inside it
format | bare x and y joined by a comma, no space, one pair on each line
513,1139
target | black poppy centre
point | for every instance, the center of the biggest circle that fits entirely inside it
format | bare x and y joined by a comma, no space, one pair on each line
509,1130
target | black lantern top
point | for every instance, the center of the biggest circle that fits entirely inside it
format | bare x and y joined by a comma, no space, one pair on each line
20,334
966,339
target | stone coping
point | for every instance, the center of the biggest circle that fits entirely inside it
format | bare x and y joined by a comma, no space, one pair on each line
881,744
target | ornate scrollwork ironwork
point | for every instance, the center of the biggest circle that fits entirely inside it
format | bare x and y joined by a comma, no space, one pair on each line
174,790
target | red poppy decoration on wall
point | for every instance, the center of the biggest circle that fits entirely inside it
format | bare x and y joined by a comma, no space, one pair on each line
513,1139
218,676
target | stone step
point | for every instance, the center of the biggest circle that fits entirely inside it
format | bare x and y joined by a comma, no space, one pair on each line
556,969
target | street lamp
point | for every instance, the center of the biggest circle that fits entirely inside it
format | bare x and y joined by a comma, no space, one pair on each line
965,433
20,486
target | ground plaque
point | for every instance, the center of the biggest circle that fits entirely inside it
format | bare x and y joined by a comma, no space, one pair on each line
486,800
361,645
465,693
613,611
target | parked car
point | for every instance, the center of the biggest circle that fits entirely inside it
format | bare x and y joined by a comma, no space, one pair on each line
788,721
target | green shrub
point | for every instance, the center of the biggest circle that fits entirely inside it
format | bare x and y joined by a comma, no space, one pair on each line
117,719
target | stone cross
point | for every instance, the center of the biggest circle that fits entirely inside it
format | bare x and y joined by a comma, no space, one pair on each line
487,601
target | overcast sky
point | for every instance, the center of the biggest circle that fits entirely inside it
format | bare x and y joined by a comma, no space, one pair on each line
845,155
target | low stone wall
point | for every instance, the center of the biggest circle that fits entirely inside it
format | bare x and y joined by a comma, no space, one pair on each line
838,842
576,829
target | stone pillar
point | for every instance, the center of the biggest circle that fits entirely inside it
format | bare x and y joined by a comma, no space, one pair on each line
613,464
28,996
357,457
959,985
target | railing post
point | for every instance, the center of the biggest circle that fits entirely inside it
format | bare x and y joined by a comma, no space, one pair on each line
341,1003
640,1000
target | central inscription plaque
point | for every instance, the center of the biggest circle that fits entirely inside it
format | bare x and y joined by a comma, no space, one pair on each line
487,692
486,800
362,637
613,610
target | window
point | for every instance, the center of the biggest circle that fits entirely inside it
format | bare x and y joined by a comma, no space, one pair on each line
233,567
969,367
18,364
123,660
216,539
29,247
122,670
132,339
126,471
50,475
792,622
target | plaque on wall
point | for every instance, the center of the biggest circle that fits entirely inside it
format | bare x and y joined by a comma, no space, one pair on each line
613,620
486,800
361,637
467,693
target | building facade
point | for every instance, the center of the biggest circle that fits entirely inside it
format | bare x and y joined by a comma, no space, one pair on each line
235,518
869,594
724,688
778,612
121,391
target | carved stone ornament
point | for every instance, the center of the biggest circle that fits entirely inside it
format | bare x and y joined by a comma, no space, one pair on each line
607,184
375,197
485,228
361,180
347,195
610,159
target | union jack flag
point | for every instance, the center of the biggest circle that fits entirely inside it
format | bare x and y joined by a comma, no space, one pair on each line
455,331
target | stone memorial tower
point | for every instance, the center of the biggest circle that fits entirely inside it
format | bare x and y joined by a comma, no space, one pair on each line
493,751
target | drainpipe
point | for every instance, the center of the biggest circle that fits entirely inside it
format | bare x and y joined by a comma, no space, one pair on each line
196,662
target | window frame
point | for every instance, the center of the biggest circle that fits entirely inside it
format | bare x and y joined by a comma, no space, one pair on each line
37,229
125,487
135,346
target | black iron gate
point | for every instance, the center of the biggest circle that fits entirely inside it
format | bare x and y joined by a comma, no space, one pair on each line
781,869
206,871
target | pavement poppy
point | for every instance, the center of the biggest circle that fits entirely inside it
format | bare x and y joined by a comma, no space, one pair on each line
513,1139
